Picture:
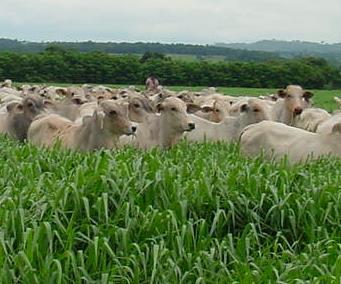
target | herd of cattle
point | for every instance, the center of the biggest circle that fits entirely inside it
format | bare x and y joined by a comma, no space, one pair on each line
93,117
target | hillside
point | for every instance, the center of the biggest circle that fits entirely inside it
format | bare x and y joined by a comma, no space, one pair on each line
289,49
200,51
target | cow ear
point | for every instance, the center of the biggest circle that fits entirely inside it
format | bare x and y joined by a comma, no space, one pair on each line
308,95
244,107
48,104
281,93
77,101
207,109
337,128
192,108
273,97
160,107
99,118
61,92
14,107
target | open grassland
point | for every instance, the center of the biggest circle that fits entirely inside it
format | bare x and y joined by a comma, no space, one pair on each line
193,58
199,213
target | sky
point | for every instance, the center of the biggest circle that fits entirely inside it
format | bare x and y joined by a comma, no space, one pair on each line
167,21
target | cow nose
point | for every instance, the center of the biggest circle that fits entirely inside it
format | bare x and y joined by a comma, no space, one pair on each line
133,129
191,125
298,110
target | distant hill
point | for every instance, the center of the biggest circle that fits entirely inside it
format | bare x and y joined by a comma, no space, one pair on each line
288,49
200,51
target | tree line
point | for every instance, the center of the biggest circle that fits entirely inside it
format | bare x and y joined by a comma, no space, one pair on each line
56,64
139,48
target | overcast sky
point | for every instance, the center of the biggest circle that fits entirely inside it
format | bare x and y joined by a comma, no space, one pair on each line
188,21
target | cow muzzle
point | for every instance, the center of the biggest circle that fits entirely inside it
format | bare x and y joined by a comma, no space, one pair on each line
298,111
191,126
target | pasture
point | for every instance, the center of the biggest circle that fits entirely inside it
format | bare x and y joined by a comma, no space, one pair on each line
197,213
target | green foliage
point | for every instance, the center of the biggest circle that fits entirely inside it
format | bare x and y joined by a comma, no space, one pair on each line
199,213
61,65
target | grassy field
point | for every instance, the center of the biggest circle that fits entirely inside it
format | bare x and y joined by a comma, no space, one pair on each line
199,213
188,57
193,58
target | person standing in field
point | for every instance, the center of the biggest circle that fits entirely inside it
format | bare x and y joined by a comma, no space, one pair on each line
152,83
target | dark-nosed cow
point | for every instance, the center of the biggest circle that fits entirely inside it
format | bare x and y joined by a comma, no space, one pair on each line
293,101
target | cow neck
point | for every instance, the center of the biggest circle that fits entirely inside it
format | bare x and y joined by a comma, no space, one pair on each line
335,139
94,137
167,135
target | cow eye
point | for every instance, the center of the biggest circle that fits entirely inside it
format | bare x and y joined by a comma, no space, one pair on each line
112,112
30,104
217,110
72,94
136,105
173,109
256,110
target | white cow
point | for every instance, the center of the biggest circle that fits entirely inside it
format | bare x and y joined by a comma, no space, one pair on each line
327,126
164,129
252,111
293,100
277,140
311,118
101,130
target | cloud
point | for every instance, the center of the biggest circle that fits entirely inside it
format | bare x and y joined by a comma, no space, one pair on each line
194,21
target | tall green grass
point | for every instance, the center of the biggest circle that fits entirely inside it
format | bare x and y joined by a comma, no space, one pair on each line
199,213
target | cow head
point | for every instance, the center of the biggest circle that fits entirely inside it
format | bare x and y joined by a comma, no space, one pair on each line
295,98
174,113
115,119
